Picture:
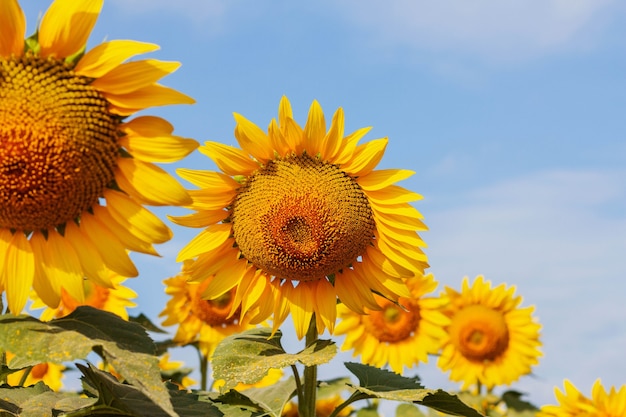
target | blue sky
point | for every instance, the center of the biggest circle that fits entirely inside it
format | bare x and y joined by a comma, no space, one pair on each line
510,113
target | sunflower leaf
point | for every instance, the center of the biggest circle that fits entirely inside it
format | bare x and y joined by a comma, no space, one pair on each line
38,400
124,345
380,383
274,397
123,399
247,357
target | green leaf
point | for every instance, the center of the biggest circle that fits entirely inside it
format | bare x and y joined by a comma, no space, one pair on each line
274,397
380,383
377,379
247,357
146,323
516,407
448,403
38,401
129,400
124,345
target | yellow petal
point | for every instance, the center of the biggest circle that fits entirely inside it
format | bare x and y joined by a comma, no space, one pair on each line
226,278
66,26
230,160
325,305
388,266
284,111
300,305
150,96
314,129
392,194
377,180
402,209
147,126
206,241
366,157
215,181
277,139
406,236
61,265
252,139
294,135
108,55
108,245
334,138
166,148
19,272
353,293
348,146
89,256
210,199
13,28
124,235
401,222
149,183
136,218
132,76
48,290
201,218
5,240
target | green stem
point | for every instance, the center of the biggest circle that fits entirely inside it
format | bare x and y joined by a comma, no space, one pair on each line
307,407
299,392
24,376
204,370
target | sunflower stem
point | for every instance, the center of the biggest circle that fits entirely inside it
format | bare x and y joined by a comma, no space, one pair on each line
307,407
204,370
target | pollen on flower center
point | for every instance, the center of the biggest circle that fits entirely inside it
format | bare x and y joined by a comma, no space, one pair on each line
479,333
392,324
300,218
58,143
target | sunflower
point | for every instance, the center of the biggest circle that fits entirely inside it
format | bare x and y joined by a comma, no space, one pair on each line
574,404
207,322
298,218
115,299
74,172
402,334
271,378
49,373
491,340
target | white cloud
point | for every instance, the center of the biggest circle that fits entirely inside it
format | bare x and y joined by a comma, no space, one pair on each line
560,237
496,30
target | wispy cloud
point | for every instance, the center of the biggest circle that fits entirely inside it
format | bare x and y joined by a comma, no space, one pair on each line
497,31
560,237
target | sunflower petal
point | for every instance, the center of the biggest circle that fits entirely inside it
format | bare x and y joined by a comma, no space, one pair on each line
150,96
348,146
89,256
216,181
13,24
66,26
165,148
200,218
149,183
123,234
109,247
377,180
48,290
392,194
136,218
226,278
332,142
229,160
353,293
252,139
314,129
19,272
108,55
325,305
366,157
132,76
284,111
62,265
300,306
206,241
